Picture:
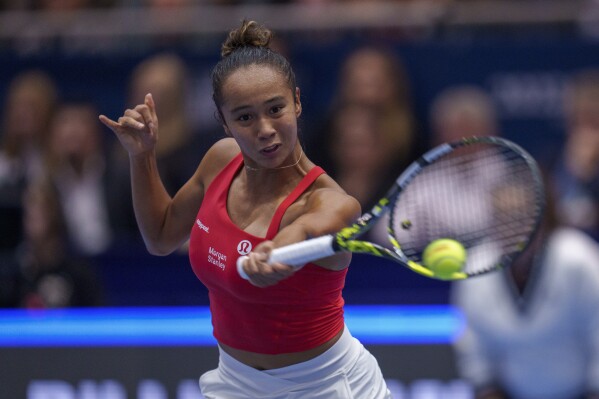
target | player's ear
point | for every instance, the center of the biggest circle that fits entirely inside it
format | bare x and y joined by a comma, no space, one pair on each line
298,103
219,117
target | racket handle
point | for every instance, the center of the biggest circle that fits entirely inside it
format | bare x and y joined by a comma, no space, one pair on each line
240,262
296,254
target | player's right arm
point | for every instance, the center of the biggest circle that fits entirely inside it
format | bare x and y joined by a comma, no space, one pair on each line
164,222
325,211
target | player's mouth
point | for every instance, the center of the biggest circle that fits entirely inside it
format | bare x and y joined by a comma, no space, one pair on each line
270,150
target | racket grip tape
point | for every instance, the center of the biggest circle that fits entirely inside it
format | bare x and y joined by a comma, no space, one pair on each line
296,254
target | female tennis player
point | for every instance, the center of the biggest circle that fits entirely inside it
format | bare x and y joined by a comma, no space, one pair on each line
281,334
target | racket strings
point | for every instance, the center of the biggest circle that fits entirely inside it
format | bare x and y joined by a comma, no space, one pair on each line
480,195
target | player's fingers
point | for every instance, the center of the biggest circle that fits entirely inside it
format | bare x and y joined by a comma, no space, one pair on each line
283,270
275,274
133,113
266,247
260,273
257,263
149,101
256,278
250,266
127,121
109,123
144,113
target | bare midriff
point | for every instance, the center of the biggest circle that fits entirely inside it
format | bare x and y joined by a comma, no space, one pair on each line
261,361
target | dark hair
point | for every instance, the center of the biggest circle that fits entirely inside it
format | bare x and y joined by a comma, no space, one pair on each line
248,45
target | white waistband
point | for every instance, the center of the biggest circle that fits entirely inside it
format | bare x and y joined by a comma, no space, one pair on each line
341,356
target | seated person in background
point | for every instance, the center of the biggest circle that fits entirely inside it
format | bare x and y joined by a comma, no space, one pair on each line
369,135
462,111
42,273
357,151
374,78
28,108
531,330
78,167
576,174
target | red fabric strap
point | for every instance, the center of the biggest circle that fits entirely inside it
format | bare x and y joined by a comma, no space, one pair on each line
275,223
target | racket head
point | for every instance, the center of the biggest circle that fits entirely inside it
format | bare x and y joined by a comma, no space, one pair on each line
485,192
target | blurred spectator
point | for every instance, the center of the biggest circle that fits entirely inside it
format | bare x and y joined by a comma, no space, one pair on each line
42,273
78,167
462,111
369,135
375,77
380,138
588,18
180,147
28,108
356,149
577,172
531,330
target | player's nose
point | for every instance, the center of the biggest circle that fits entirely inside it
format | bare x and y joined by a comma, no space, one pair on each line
265,128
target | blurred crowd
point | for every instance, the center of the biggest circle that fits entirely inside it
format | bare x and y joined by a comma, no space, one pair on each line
64,183
81,4
65,197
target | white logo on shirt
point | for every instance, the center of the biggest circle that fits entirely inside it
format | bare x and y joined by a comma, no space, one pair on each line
217,258
244,247
202,226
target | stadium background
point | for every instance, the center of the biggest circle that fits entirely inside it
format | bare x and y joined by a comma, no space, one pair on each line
522,53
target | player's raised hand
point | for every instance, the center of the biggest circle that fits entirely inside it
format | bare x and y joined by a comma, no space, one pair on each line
137,129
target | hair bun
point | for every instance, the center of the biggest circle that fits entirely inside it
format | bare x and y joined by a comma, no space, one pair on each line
250,34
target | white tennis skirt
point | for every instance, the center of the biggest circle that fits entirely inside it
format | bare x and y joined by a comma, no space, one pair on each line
345,371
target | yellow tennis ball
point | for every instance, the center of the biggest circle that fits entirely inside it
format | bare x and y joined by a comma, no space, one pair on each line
444,257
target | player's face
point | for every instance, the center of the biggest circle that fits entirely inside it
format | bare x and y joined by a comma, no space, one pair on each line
260,111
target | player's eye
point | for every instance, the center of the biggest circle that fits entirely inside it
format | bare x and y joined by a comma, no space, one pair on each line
244,117
277,109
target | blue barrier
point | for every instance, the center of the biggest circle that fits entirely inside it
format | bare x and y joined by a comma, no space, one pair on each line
184,326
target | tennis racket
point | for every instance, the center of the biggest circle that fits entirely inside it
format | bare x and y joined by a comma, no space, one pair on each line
484,192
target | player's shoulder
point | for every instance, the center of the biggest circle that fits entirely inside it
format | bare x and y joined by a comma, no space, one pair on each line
223,150
327,194
217,157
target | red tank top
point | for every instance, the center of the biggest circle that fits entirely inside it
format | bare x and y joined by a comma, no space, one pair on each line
297,314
